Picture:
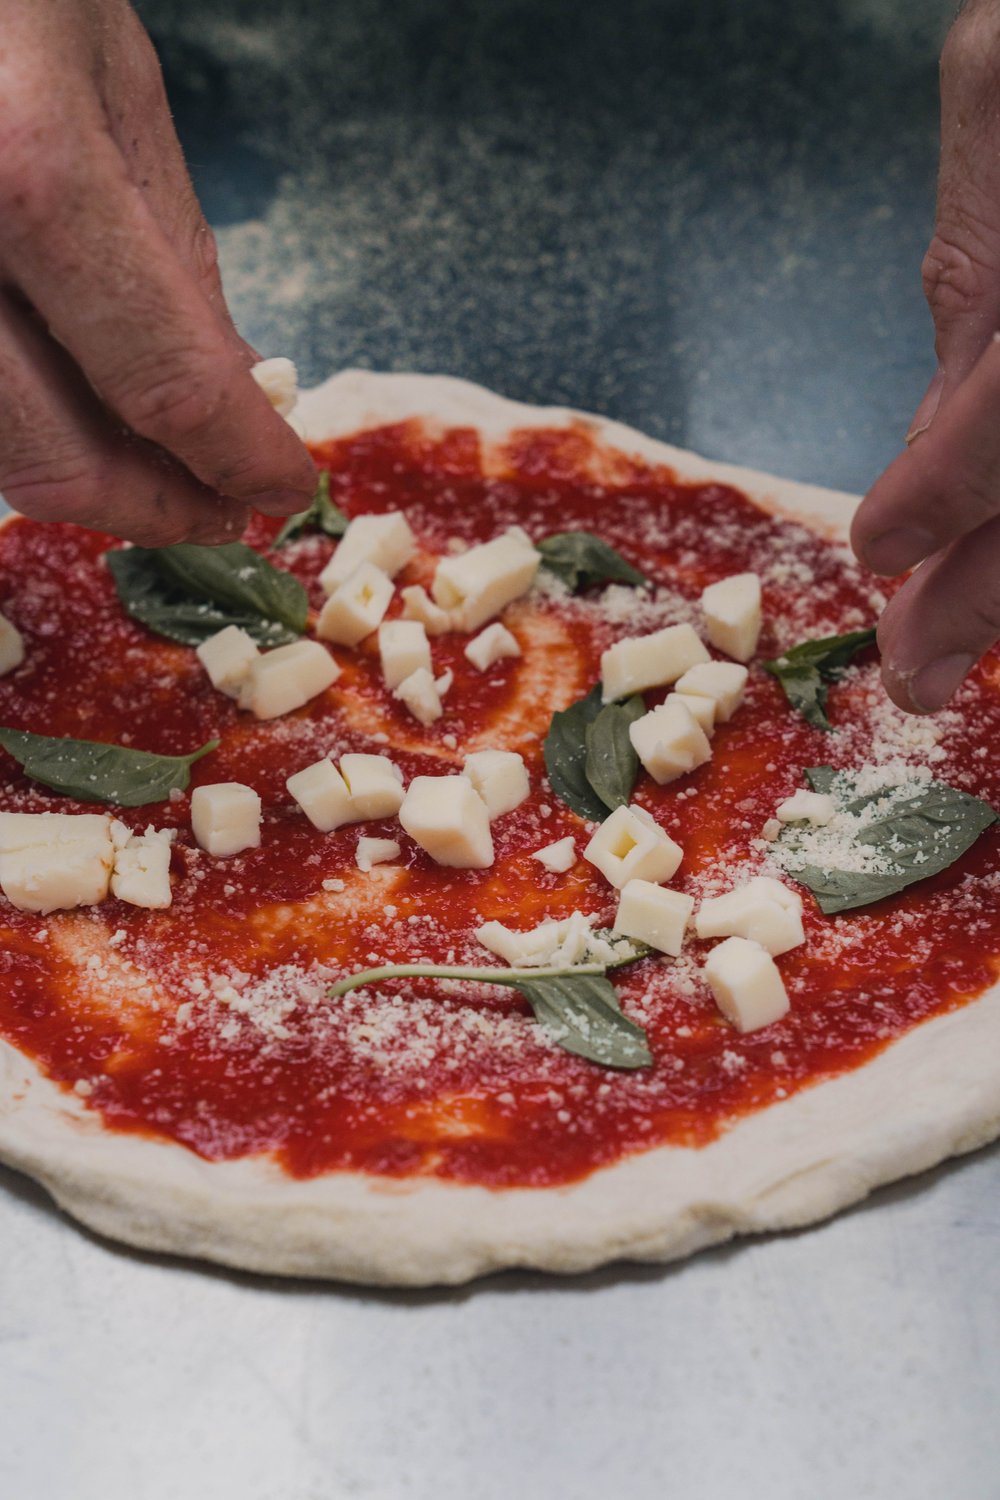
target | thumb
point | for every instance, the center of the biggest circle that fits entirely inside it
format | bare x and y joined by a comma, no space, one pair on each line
961,270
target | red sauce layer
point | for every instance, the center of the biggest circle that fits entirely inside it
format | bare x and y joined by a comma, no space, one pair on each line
209,1025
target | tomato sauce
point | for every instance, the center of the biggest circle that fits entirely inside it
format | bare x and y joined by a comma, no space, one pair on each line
210,1025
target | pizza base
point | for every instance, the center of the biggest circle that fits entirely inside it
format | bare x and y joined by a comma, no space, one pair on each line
932,1094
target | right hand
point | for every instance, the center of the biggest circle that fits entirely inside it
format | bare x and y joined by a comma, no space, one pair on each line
126,402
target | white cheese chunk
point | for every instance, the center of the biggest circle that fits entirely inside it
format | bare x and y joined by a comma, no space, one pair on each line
282,680
817,808
385,542
11,646
653,915
733,614
418,605
702,710
225,817
55,861
557,943
402,647
443,683
747,986
722,681
500,778
420,695
356,607
478,584
647,661
227,656
279,380
141,874
761,910
375,785
631,845
490,646
558,857
323,795
669,741
447,817
375,852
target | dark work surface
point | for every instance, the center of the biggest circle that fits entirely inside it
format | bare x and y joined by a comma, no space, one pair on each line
705,219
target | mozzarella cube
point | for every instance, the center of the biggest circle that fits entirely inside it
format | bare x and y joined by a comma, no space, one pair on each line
500,778
669,741
284,679
225,817
647,661
227,656
478,584
54,861
702,710
418,605
816,808
420,695
375,852
403,647
384,542
323,795
279,380
722,681
141,874
762,910
747,986
630,845
733,614
558,857
652,915
447,817
356,606
490,646
11,646
375,785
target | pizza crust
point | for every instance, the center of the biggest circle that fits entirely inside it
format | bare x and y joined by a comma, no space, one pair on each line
931,1094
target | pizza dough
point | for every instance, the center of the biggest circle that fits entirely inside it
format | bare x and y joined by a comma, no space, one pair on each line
933,1093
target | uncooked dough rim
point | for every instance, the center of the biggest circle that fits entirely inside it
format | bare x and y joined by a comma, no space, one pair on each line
933,1093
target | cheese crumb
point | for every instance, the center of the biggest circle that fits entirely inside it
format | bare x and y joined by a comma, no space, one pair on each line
558,857
490,646
375,852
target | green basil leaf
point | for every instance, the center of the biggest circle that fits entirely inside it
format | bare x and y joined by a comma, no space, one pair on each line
320,515
94,771
917,836
565,751
581,1012
806,671
580,559
612,765
187,593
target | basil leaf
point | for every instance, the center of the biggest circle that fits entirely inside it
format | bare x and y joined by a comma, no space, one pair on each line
581,1012
94,771
320,515
612,765
187,593
580,559
565,751
806,671
919,836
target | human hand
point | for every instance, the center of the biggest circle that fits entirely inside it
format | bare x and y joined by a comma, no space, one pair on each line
126,402
938,503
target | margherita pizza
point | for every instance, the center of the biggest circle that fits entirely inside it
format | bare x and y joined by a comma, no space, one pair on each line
512,861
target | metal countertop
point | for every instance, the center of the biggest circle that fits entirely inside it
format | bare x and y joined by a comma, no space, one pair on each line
706,220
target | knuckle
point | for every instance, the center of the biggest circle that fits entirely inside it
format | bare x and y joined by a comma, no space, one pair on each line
174,404
955,275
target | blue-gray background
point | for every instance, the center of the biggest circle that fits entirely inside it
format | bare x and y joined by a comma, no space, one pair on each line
705,219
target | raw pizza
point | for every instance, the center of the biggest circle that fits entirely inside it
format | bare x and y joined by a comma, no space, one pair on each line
546,881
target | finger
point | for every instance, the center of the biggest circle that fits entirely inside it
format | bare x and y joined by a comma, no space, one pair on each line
944,485
63,459
85,249
961,270
942,621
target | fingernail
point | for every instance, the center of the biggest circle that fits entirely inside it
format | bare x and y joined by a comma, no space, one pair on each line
927,410
932,686
281,502
896,550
